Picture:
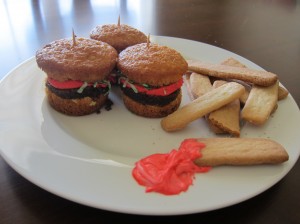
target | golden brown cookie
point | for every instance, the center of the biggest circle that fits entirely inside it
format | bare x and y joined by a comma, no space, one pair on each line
201,106
236,63
241,151
258,77
260,104
233,62
226,118
282,93
200,84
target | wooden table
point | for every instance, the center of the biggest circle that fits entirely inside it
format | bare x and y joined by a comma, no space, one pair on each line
265,32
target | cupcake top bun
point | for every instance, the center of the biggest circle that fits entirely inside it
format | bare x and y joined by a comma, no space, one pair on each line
86,60
152,64
120,36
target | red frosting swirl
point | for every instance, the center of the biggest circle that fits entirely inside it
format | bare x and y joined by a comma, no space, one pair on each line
170,173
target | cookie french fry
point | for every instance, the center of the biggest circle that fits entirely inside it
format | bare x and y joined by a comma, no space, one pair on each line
282,93
258,77
203,88
201,106
260,104
215,129
245,96
226,118
200,84
186,79
230,125
233,62
240,151
236,63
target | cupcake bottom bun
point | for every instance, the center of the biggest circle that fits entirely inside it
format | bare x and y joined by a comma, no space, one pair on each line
76,106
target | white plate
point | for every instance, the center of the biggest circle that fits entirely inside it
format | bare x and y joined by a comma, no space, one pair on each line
89,159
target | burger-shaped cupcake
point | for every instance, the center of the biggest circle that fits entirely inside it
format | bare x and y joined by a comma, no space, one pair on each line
151,79
76,71
120,36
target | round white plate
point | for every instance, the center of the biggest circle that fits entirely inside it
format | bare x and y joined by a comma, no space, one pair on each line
89,159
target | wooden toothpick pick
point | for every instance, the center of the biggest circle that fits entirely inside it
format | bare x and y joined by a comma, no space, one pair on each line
148,40
119,21
74,37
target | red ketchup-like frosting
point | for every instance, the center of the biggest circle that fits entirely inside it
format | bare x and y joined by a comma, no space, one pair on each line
70,84
160,91
170,173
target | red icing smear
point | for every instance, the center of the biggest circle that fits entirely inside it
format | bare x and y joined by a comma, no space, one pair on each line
161,91
170,173
71,84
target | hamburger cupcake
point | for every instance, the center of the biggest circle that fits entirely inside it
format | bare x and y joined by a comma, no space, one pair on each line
120,36
77,71
151,79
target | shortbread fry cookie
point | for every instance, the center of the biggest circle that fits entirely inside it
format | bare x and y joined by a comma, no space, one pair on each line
200,84
282,93
233,62
245,96
206,89
258,77
236,63
247,86
241,151
226,118
186,79
215,129
201,106
260,104
197,84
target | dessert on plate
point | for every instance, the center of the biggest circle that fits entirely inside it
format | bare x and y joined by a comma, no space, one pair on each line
151,79
120,36
77,70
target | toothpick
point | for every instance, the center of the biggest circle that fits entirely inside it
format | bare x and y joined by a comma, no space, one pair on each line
119,21
74,37
148,40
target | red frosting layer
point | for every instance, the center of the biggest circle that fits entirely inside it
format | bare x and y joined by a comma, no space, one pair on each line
161,91
71,84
